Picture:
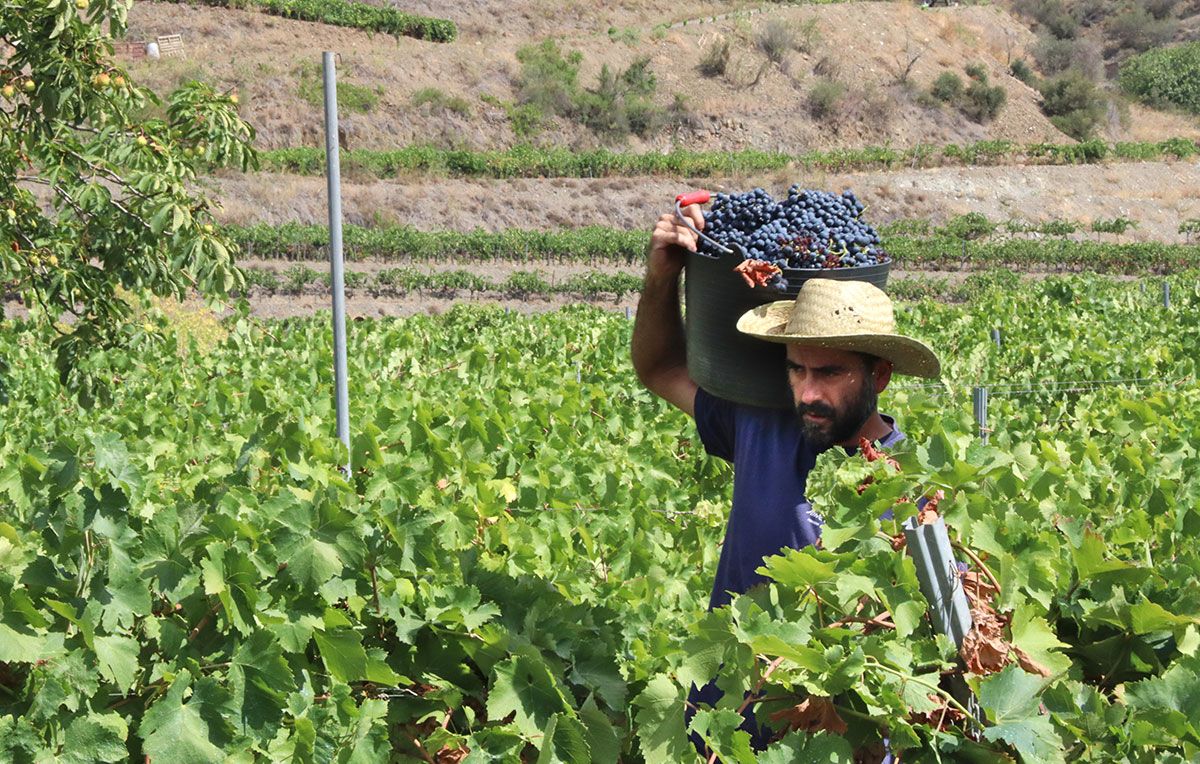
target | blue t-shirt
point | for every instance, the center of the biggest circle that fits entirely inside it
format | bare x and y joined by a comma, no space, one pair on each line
771,461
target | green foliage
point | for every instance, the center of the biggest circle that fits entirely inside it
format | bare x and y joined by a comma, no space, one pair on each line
527,161
343,13
1165,77
1138,30
972,225
590,285
1073,104
982,102
1117,225
824,96
948,87
351,98
620,104
977,71
438,99
549,80
1020,69
117,218
526,119
908,242
524,548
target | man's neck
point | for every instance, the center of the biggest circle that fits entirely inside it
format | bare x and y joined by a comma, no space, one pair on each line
873,430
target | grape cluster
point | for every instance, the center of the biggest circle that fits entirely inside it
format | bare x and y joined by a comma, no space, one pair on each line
808,229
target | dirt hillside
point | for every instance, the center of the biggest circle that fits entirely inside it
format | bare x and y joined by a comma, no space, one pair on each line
884,55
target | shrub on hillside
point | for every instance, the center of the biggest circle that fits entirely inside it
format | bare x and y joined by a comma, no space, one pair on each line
715,59
1073,104
439,101
1160,9
1055,56
1055,16
1020,69
824,96
982,102
621,103
548,80
1165,77
1137,29
948,87
776,38
1089,13
976,71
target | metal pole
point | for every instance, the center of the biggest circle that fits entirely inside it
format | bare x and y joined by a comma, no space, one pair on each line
628,313
979,397
996,336
333,172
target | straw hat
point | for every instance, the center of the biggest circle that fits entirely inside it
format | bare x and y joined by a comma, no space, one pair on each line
844,315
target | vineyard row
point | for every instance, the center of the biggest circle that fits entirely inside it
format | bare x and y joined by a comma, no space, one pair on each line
342,13
528,161
591,285
595,245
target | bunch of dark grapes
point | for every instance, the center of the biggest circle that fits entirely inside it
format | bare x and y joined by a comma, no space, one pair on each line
808,229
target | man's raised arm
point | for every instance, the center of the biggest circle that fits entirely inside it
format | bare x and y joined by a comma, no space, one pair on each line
659,347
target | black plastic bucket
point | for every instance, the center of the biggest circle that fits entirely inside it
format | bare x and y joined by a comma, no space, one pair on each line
726,362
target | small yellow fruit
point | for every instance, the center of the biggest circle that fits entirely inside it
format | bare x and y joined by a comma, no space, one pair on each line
35,261
53,260
81,4
29,86
233,98
12,215
119,81
208,228
9,91
188,152
199,148
141,140
102,79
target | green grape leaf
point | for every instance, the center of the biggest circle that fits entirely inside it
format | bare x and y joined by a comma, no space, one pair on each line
187,732
719,731
96,737
659,722
797,746
564,742
524,687
1011,699
118,657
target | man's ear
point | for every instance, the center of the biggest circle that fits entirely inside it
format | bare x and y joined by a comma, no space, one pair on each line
883,374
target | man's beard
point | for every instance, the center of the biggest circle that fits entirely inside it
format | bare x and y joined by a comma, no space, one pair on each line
840,425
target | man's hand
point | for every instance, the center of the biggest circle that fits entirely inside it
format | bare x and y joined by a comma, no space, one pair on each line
672,240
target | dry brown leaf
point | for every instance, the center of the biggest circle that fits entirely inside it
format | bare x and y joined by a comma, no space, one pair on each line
1026,661
449,755
984,649
443,484
813,714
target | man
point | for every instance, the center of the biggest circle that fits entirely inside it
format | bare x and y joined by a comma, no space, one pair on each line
842,350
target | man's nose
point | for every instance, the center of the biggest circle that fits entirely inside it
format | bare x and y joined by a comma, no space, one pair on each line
807,392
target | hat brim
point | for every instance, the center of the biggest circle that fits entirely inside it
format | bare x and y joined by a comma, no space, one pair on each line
908,356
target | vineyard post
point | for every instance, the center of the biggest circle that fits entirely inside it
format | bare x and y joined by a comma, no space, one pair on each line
996,336
980,399
333,173
628,313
